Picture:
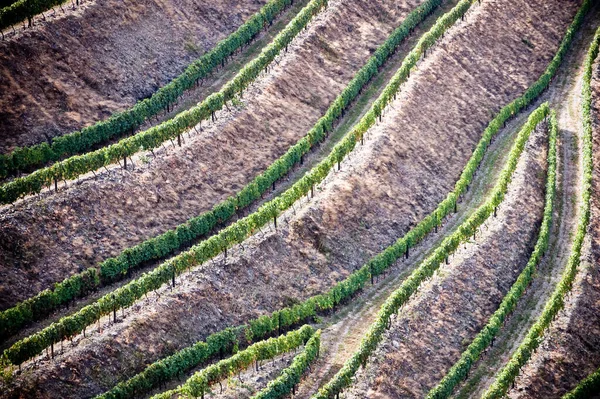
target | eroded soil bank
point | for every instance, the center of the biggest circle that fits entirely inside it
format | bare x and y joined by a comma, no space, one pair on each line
431,331
44,241
71,71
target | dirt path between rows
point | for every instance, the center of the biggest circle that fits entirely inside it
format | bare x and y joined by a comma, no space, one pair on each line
407,165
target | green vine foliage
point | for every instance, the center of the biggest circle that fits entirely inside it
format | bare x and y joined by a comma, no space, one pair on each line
460,369
587,388
116,268
6,3
199,384
556,302
77,165
291,376
122,123
21,10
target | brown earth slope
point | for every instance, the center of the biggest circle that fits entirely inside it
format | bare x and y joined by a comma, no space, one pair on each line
45,241
571,348
431,332
406,166
69,72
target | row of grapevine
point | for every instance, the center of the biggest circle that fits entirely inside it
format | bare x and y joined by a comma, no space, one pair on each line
426,269
556,302
586,388
6,3
460,369
281,320
291,376
122,123
116,268
199,384
21,10
126,295
154,137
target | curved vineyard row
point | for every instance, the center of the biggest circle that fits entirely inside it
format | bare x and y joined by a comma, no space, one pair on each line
122,123
426,269
586,388
556,302
461,368
78,165
199,384
291,376
116,268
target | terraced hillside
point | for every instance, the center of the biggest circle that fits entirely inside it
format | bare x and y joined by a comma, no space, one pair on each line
349,199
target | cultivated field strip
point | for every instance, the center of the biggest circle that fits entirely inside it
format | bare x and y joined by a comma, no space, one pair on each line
568,351
24,159
535,336
114,269
486,336
182,360
75,166
413,284
203,173
235,282
199,384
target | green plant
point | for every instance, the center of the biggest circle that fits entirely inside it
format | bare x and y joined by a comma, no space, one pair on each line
199,383
586,388
291,376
